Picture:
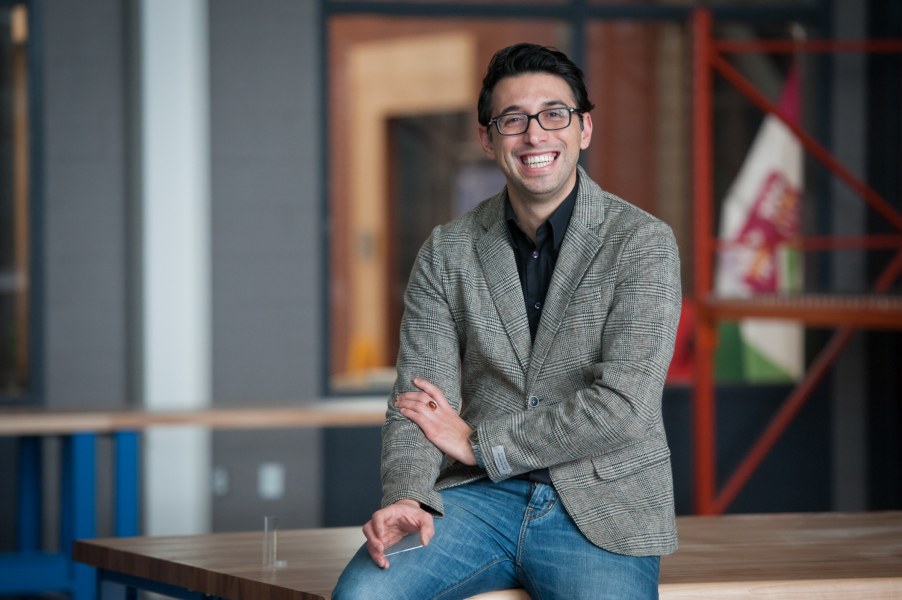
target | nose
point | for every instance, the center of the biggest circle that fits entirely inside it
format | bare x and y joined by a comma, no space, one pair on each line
534,131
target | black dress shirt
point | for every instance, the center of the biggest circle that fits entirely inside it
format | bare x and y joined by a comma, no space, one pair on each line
535,264
536,261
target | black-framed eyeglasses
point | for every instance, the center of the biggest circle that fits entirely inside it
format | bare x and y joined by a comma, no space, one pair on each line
549,119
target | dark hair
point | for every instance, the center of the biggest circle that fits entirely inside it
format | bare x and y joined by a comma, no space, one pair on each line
530,58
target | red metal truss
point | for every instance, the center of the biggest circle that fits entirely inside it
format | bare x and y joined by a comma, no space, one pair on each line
845,313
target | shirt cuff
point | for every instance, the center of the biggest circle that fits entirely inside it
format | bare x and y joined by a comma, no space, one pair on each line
477,452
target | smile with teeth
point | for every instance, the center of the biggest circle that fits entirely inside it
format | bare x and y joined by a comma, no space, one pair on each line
537,161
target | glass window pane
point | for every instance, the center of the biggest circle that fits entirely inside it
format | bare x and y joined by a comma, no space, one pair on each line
404,157
14,194
639,77
714,3
474,2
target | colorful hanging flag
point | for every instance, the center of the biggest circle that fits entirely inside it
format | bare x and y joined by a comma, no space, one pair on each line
759,223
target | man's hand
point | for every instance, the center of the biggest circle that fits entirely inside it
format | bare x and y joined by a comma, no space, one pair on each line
441,424
388,525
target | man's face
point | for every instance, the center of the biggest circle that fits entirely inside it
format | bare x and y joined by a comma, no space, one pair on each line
539,165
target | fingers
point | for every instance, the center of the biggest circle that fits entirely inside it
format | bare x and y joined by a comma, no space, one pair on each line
431,390
388,525
427,530
417,402
374,546
429,400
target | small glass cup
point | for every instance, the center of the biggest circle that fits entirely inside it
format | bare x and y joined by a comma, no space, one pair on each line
270,543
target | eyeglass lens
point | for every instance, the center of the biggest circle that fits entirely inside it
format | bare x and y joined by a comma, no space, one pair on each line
549,119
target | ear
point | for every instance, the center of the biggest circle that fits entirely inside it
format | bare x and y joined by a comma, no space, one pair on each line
586,133
485,138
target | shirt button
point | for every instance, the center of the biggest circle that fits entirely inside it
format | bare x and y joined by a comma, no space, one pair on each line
538,305
533,401
535,254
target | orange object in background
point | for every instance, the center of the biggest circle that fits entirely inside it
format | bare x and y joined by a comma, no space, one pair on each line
680,372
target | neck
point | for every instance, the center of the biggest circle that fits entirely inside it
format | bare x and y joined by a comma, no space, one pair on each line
530,216
531,211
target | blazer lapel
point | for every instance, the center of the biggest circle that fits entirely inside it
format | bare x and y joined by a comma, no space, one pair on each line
497,259
579,248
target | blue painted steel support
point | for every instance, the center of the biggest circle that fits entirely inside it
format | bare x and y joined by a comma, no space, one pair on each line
24,573
30,569
30,494
127,483
79,461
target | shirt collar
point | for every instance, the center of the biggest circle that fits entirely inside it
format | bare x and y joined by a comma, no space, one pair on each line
559,219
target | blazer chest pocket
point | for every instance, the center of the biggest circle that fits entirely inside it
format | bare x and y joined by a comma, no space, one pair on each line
586,295
630,459
584,309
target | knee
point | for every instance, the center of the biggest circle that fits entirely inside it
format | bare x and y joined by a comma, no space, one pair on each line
344,592
361,580
350,587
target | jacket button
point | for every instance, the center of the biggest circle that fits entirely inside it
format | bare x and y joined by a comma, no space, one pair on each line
533,401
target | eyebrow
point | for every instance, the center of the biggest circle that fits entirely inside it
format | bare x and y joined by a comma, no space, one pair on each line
516,108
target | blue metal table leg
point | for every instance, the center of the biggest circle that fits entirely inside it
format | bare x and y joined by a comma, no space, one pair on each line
135,584
127,484
79,483
30,494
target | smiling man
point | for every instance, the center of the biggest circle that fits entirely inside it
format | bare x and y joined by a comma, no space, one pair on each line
523,442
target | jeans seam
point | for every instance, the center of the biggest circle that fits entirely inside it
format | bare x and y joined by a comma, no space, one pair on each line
528,520
472,576
528,584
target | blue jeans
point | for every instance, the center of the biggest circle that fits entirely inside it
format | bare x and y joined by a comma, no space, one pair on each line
497,536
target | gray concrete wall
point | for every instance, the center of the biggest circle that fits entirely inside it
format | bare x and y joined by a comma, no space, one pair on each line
84,206
265,235
83,215
266,250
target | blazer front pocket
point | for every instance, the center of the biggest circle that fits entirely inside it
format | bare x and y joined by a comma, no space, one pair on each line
632,458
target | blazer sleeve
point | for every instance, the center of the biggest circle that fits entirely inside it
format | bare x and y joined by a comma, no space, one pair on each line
429,349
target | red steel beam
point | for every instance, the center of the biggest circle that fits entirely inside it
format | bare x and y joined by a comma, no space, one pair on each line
871,312
812,243
705,337
705,56
875,200
890,274
807,46
778,424
800,394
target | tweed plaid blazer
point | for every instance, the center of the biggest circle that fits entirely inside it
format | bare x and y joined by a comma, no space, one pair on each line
583,399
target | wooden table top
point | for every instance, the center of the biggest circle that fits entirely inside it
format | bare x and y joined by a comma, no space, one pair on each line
830,555
797,555
230,565
337,413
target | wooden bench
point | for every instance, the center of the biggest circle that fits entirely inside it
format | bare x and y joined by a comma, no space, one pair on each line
822,555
